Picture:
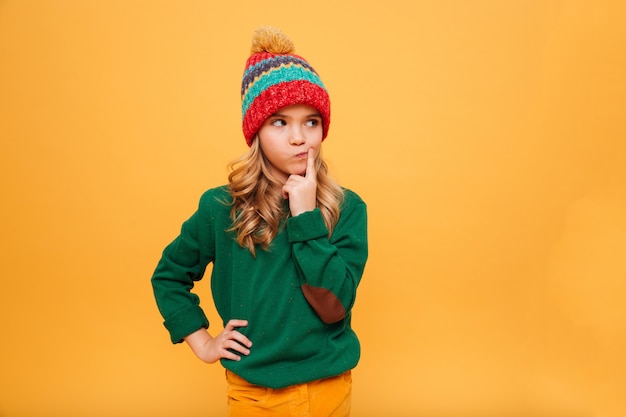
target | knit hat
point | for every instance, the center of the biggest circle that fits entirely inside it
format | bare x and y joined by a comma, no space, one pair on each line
275,78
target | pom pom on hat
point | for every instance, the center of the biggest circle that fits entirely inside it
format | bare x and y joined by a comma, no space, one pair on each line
272,40
275,78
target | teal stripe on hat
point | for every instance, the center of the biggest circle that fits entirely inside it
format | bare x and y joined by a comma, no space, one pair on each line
276,76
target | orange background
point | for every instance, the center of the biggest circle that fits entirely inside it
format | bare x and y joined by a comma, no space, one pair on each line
487,137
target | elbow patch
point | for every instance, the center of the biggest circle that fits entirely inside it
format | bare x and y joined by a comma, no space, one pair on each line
325,303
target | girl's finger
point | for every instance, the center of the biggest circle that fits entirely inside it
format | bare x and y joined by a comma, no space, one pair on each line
241,339
232,324
230,355
310,165
237,347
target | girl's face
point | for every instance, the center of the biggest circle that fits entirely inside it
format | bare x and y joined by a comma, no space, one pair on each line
287,135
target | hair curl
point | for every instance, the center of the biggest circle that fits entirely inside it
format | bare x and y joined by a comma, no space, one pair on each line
258,208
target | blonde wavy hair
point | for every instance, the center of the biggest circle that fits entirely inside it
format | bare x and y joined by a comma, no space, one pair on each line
258,208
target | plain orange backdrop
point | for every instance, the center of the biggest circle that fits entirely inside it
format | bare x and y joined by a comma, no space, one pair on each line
487,137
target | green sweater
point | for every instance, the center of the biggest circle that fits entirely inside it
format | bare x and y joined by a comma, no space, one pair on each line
297,296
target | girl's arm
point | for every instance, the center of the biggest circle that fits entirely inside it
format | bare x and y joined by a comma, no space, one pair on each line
181,265
330,269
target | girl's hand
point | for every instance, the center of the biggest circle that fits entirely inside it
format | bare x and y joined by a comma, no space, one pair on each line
211,349
302,190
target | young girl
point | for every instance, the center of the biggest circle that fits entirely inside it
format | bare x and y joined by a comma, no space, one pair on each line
288,247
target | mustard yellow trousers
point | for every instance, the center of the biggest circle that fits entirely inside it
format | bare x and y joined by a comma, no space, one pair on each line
329,397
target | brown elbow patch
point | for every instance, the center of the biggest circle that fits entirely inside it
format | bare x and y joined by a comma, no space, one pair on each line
325,303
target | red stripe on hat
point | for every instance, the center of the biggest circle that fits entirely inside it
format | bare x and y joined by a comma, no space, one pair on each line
282,95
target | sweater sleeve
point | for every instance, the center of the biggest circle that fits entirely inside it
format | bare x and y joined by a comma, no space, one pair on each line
181,265
330,268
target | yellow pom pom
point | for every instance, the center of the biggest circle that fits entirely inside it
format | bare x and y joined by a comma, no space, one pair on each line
272,40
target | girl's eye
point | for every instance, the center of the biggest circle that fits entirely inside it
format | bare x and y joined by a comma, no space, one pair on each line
312,122
278,122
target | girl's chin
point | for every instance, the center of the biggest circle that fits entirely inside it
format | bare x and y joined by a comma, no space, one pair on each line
298,170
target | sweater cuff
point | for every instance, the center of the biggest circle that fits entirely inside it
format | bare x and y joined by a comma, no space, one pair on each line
306,226
186,322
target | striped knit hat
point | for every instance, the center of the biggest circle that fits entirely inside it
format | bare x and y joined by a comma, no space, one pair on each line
275,78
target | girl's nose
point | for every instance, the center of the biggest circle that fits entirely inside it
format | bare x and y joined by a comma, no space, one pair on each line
297,137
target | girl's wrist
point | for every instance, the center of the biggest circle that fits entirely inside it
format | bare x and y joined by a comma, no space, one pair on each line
198,339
